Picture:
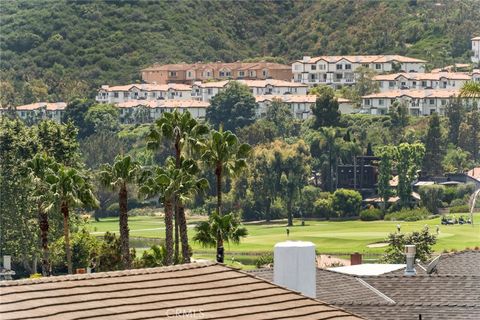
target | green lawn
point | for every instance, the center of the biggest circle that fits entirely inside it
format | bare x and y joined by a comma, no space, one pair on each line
329,237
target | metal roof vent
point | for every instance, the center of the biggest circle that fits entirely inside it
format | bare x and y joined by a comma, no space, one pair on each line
410,251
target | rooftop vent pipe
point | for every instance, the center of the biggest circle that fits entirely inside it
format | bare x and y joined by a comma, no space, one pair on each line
410,251
294,266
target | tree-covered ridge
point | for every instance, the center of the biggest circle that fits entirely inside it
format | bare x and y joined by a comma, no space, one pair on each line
57,50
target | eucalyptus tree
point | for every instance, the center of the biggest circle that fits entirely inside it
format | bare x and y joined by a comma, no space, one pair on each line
385,167
185,135
118,176
71,188
39,168
228,157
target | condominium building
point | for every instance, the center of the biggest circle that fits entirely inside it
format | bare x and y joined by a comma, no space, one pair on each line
300,105
39,111
419,102
118,94
205,91
476,50
341,70
189,73
420,80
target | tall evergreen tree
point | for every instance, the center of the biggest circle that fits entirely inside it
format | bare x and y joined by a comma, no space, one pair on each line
325,110
434,147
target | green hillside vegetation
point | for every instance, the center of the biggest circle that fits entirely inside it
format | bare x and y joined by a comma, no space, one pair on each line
58,50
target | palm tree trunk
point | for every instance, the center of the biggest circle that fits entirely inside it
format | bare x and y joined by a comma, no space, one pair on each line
218,174
66,235
168,232
43,223
183,234
220,249
124,238
177,234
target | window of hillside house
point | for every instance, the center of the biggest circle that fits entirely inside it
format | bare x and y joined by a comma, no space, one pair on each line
414,83
241,73
208,74
367,102
115,94
313,67
339,67
297,67
172,73
378,66
189,74
348,67
321,67
381,102
228,74
209,91
424,84
391,84
312,77
222,74
338,76
366,65
444,102
432,101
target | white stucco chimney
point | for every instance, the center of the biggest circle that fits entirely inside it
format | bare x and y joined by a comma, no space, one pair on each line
306,58
294,266
410,251
7,262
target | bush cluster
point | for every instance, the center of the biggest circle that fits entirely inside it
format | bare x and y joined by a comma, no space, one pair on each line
408,215
371,214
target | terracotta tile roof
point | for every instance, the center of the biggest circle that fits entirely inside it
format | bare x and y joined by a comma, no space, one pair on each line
51,106
476,38
213,291
217,65
474,173
419,76
168,103
366,59
415,93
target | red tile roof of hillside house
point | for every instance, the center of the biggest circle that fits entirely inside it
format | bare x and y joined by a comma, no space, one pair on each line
52,106
476,38
474,173
419,76
366,59
449,68
197,290
216,65
168,103
415,93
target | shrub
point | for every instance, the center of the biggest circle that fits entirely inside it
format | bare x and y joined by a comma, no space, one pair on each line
371,214
323,208
423,240
465,190
264,260
347,203
432,197
309,195
458,202
449,194
408,215
278,209
460,209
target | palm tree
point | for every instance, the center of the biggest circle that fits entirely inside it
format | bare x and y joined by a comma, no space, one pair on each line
70,189
172,183
228,157
118,176
182,131
227,226
470,89
39,168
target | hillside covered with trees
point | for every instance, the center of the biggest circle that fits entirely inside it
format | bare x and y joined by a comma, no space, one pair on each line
59,50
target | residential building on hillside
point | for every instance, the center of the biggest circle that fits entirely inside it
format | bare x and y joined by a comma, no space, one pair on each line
340,70
476,75
134,111
39,111
207,90
189,73
300,105
420,80
117,94
456,67
419,102
476,50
